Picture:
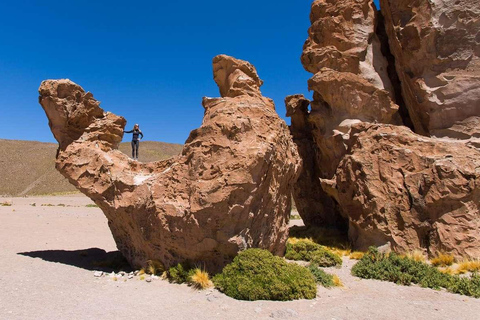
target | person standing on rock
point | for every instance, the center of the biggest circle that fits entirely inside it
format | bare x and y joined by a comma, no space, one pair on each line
135,140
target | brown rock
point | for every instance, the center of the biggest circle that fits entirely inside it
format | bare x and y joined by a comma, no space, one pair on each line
342,38
313,205
230,189
351,81
340,100
413,191
436,45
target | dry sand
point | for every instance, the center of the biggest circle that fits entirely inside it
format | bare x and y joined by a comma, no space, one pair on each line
45,273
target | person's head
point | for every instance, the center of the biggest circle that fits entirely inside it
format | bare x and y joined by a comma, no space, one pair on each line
136,126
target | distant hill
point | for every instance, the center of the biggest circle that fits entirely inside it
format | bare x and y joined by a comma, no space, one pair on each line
28,167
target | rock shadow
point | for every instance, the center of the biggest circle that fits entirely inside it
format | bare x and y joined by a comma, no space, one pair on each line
89,259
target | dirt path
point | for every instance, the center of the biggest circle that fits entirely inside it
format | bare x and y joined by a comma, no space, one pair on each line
44,274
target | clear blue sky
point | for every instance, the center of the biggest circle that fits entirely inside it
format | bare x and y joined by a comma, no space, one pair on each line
149,61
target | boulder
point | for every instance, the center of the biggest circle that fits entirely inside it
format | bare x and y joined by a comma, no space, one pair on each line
412,191
230,189
436,45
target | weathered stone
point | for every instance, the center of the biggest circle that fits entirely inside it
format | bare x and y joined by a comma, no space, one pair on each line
313,205
436,45
229,190
342,38
413,191
340,100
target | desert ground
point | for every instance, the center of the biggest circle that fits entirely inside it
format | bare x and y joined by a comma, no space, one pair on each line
48,258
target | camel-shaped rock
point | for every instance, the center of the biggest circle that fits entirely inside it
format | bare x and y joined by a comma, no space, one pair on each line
230,189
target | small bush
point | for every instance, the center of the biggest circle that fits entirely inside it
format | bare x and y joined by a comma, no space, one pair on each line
443,260
5,204
180,273
321,276
307,250
91,205
403,270
256,274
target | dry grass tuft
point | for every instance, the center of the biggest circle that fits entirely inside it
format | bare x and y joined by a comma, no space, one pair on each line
416,255
155,267
6,204
200,279
468,266
141,272
443,260
357,255
448,270
336,281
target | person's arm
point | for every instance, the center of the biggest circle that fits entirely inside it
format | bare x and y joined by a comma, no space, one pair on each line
141,134
127,131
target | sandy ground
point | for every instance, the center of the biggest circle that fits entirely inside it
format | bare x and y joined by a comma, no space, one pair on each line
46,273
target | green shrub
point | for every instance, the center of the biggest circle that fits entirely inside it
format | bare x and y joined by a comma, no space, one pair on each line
256,274
321,276
180,273
309,251
403,270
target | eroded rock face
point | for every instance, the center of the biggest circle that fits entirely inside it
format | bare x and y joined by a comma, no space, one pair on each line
351,81
436,45
313,204
230,189
413,191
351,84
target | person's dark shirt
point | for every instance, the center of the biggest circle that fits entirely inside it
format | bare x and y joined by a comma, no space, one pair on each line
135,135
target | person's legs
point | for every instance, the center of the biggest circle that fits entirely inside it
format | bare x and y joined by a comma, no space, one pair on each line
133,149
136,147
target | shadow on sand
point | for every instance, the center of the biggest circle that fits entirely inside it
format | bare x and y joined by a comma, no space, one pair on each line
89,259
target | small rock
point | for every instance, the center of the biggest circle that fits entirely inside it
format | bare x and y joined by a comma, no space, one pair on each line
130,276
148,279
98,274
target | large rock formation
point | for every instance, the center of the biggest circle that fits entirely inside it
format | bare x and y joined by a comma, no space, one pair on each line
228,190
351,84
413,191
387,182
436,45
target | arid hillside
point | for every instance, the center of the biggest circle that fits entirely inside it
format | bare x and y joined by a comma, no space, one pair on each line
28,167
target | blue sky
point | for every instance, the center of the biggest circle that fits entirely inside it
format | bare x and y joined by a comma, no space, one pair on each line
149,61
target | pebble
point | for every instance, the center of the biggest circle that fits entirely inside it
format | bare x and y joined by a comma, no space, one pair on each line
148,279
130,276
98,273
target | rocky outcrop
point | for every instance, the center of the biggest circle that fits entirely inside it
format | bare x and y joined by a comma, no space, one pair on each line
414,192
313,204
415,65
230,189
351,84
351,81
436,45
